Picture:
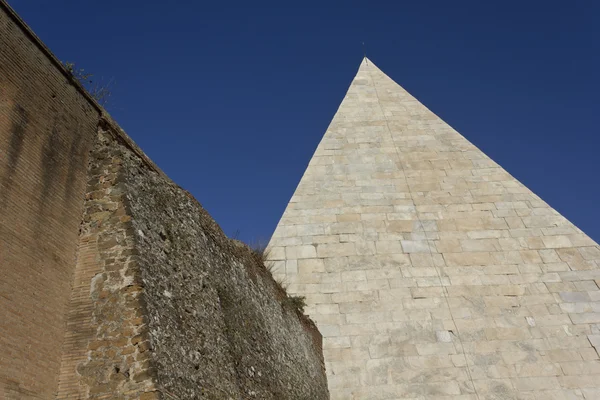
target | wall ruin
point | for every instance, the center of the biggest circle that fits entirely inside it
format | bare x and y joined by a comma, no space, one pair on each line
166,305
115,282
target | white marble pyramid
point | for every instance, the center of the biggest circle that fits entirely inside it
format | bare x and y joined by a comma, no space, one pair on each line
431,272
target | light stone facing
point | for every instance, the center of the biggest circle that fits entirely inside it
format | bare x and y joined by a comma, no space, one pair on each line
431,272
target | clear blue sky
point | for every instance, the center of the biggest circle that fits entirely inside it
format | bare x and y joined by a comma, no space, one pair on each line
230,99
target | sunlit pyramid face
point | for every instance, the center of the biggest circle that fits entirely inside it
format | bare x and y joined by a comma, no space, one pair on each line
431,272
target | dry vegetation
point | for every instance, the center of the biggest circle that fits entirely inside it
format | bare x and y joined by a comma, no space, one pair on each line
260,253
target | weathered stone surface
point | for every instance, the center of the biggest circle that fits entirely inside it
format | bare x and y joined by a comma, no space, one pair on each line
148,300
107,351
441,276
176,309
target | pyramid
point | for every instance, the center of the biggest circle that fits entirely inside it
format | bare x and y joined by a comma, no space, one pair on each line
431,272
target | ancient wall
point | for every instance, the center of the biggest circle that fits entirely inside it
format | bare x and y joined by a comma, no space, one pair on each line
115,282
106,350
165,304
46,131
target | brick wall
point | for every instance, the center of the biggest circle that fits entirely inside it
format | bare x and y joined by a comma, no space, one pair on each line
46,130
106,350
97,299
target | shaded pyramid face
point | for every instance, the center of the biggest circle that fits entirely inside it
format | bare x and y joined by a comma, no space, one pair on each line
430,271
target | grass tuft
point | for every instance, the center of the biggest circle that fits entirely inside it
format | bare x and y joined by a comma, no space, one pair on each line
261,253
296,302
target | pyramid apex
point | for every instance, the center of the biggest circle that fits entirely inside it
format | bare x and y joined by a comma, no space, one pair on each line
366,62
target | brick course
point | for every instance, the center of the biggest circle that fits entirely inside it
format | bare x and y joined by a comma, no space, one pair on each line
106,349
46,131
